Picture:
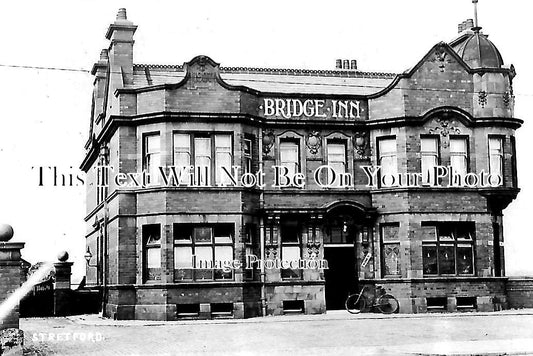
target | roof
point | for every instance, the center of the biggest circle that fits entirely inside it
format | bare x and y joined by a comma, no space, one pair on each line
477,50
284,81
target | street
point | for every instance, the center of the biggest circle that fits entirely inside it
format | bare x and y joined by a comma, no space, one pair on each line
338,333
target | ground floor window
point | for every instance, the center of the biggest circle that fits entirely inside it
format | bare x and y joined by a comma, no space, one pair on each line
391,260
291,229
203,252
448,248
151,235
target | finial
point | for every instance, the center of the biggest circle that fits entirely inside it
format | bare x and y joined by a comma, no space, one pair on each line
121,15
63,256
475,12
6,232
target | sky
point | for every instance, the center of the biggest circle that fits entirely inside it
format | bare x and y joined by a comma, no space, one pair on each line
44,117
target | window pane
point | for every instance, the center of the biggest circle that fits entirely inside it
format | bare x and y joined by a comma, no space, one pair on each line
428,164
429,233
204,256
387,146
388,166
223,233
183,257
496,156
290,253
152,144
446,259
153,257
458,164
223,253
458,145
202,234
429,259
465,256
428,145
290,231
392,259
390,232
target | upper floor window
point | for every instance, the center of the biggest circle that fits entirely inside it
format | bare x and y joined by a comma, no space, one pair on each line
289,156
247,152
448,248
207,153
152,156
459,155
387,158
429,157
496,157
336,151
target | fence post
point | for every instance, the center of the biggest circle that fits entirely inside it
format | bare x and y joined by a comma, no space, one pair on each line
11,338
62,291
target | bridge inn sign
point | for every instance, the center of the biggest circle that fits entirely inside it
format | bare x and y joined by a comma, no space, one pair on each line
214,244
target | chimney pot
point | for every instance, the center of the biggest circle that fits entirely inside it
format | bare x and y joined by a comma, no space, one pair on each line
346,64
338,63
121,15
353,64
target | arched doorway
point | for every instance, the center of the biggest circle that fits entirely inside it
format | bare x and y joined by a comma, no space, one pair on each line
341,226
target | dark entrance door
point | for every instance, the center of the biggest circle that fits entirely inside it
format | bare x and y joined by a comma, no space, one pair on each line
341,275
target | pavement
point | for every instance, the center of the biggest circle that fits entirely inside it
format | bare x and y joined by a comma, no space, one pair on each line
507,332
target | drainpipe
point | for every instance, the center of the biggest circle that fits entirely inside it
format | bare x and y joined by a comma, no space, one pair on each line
262,229
105,259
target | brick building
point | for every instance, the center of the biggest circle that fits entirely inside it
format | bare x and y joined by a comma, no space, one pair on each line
424,218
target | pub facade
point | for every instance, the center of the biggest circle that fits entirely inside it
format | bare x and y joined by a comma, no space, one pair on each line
238,192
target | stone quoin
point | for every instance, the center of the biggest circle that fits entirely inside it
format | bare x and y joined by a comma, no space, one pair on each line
433,246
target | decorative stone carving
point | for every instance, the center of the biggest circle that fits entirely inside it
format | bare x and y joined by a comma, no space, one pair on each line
313,249
445,128
440,58
507,97
313,141
482,98
268,141
360,143
271,251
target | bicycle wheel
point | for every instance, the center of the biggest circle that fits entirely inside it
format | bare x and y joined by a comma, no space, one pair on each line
387,304
355,303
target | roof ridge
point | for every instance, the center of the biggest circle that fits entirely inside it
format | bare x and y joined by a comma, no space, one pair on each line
289,71
337,73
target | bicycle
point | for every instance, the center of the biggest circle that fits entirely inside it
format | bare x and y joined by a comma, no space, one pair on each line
384,302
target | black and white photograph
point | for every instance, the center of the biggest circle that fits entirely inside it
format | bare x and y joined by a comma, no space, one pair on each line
266,178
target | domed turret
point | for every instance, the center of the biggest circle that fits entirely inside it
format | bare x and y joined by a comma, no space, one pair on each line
477,50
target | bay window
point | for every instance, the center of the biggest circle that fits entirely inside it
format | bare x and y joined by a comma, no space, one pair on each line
201,251
448,248
152,157
207,153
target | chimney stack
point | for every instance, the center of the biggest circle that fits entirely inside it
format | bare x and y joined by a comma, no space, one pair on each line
465,25
346,64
